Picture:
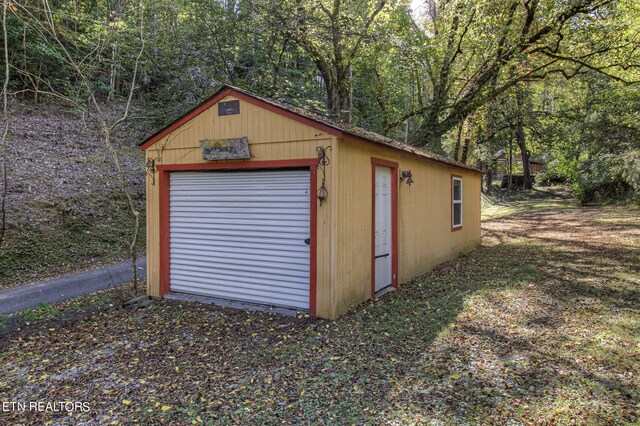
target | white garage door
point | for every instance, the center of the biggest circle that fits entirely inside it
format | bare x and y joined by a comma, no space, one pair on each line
241,236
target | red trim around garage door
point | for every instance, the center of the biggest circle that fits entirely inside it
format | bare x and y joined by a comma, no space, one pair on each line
163,182
394,222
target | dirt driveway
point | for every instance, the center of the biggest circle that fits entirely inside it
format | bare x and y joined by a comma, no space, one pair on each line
540,325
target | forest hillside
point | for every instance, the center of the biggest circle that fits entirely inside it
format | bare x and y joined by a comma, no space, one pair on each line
65,211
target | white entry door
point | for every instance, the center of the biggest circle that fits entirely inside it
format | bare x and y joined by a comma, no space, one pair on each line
383,231
241,236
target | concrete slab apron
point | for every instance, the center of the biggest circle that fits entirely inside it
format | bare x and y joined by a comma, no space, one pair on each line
58,289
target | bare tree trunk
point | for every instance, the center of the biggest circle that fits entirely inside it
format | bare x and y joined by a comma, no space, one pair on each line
344,93
456,148
466,141
338,94
526,154
112,73
5,133
429,135
434,142
350,112
133,244
521,138
36,85
510,170
333,98
465,149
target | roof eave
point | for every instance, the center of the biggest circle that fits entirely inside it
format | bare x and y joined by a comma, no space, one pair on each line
226,90
424,157
185,118
242,95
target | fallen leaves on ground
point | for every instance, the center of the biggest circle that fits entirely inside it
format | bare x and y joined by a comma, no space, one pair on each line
540,325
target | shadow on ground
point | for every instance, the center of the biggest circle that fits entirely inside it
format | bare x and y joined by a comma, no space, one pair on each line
539,325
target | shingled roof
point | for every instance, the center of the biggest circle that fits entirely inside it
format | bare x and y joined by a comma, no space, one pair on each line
323,122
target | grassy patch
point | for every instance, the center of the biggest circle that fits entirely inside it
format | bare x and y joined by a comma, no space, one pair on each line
41,312
508,203
634,221
498,211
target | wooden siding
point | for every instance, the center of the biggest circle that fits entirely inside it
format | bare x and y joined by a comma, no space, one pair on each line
271,137
344,228
425,238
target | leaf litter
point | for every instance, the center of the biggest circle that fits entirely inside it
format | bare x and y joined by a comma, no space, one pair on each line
540,325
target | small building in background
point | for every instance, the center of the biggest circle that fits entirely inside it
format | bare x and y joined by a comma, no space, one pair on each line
253,201
502,164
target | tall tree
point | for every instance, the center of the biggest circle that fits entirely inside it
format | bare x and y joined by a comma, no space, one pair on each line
332,33
471,52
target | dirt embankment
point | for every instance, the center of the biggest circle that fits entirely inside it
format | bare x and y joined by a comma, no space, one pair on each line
65,209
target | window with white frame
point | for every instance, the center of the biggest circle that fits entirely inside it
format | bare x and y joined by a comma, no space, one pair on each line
456,202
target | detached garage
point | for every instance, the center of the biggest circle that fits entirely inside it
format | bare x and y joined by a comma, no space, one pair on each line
251,200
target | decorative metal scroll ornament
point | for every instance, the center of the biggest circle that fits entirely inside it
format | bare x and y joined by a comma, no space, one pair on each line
322,164
151,168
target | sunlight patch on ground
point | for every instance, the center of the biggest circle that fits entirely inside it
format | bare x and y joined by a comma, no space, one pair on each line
498,211
618,220
540,325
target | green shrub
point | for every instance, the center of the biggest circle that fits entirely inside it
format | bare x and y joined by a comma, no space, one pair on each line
550,177
631,169
608,177
590,191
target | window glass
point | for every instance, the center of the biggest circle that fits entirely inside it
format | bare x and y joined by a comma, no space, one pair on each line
457,214
457,190
456,203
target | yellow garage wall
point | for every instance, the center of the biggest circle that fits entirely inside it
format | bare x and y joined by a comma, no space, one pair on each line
425,238
271,137
344,235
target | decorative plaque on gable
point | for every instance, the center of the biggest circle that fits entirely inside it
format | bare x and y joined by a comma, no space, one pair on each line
225,149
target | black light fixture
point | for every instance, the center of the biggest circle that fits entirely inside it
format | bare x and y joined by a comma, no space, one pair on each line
406,175
322,193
